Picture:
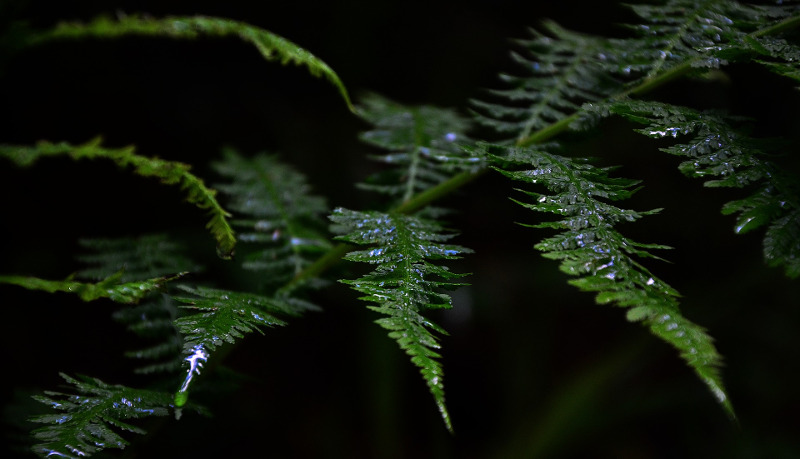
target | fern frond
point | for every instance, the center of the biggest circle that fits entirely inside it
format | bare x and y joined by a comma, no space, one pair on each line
689,31
169,172
589,246
224,316
422,146
404,282
89,419
110,287
731,158
563,70
278,215
154,321
141,257
271,46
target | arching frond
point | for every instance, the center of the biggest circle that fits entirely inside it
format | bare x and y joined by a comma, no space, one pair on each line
90,418
727,157
404,282
271,46
421,144
589,246
278,216
169,172
110,287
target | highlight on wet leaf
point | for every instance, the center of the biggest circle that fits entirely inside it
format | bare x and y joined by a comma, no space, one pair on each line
271,46
725,156
422,146
92,416
110,287
589,246
169,172
404,282
281,225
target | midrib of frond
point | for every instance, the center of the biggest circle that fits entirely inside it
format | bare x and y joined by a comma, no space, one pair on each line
416,153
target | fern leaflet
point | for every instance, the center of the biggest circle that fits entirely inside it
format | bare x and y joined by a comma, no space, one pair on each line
89,420
733,159
589,246
169,172
279,216
271,46
403,282
141,257
422,144
224,316
110,287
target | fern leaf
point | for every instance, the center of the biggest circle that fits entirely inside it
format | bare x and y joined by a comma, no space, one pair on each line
404,282
271,46
589,246
110,287
224,316
422,146
169,172
141,257
279,216
153,321
563,70
90,419
719,151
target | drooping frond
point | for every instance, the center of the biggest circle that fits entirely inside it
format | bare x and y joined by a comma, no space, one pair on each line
562,70
277,215
222,316
404,281
589,246
689,31
727,157
169,172
422,146
110,287
90,418
141,257
271,46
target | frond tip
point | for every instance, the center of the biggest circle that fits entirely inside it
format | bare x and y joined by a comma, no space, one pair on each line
403,282
590,247
88,421
271,46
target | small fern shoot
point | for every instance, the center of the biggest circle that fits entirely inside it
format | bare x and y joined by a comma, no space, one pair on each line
422,146
223,316
404,282
727,157
89,419
589,246
278,217
271,46
169,172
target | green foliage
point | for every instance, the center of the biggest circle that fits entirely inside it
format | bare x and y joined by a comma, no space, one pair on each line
589,246
89,418
271,46
281,221
169,172
404,282
733,159
568,81
110,287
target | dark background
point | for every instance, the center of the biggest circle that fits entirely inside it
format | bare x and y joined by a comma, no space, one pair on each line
533,367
